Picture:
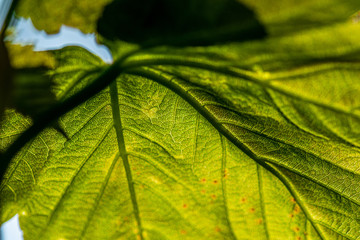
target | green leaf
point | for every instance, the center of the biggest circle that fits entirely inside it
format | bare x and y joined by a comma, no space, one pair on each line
252,140
180,23
50,15
288,16
211,148
77,180
15,123
31,92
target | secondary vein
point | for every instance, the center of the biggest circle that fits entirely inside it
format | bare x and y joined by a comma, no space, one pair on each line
223,187
262,201
123,154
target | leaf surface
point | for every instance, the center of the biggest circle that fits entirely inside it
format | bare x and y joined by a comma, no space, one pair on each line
254,140
291,16
184,171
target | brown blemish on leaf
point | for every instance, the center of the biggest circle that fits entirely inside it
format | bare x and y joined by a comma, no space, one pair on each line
296,229
297,209
203,191
138,173
291,215
213,196
203,180
305,233
243,200
259,221
293,200
215,181
252,210
217,229
183,232
185,205
298,238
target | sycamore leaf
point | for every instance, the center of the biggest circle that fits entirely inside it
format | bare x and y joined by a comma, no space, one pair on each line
181,177
254,140
166,153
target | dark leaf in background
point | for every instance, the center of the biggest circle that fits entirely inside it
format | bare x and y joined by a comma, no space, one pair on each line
31,93
180,23
5,77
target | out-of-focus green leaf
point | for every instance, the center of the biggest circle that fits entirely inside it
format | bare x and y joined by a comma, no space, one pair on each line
23,57
288,16
5,77
32,86
24,83
50,15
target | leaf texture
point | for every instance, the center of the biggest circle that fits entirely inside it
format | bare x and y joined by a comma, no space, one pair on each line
252,140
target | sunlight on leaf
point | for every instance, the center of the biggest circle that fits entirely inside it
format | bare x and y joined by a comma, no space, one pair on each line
49,15
243,140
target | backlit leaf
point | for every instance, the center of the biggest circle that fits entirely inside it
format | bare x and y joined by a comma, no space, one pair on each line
248,140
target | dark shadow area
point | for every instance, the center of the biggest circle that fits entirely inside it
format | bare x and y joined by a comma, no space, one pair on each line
179,22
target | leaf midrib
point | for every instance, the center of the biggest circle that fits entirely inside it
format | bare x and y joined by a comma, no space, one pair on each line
123,154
